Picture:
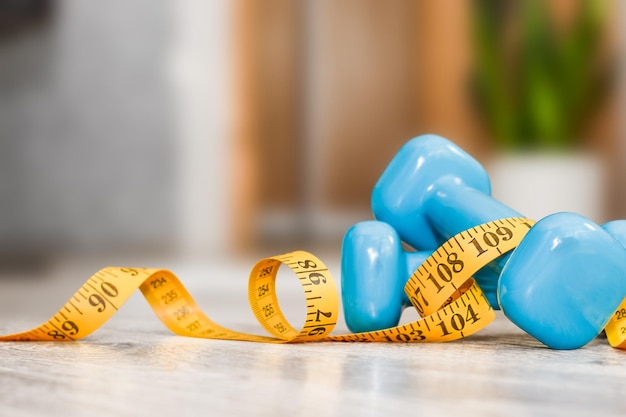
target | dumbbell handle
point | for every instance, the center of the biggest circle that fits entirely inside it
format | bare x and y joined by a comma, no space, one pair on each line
413,261
433,190
452,207
374,271
408,263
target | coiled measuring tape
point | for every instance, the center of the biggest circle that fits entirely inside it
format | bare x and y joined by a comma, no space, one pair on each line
450,303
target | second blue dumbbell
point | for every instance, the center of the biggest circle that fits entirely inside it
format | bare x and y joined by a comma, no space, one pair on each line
374,271
431,191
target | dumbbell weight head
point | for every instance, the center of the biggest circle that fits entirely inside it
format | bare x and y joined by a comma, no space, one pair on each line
432,190
565,280
374,271
617,229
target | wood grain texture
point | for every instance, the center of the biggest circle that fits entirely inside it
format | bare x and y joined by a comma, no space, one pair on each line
135,366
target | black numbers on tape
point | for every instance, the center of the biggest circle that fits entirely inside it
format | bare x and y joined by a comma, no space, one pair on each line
316,278
492,239
130,271
109,289
69,328
328,315
454,261
317,331
263,289
280,328
194,326
169,297
157,283
268,310
266,271
415,335
419,303
457,322
55,334
181,313
96,300
620,314
445,271
306,264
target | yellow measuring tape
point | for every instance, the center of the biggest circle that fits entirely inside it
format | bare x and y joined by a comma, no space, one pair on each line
450,303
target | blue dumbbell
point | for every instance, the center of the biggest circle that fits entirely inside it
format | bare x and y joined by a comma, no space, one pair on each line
433,190
565,279
374,271
617,229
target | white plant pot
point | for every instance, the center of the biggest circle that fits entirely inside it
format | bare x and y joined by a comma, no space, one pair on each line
540,184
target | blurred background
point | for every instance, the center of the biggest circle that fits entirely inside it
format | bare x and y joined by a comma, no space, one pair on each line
199,129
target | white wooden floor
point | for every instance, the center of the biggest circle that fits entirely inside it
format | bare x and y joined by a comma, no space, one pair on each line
134,366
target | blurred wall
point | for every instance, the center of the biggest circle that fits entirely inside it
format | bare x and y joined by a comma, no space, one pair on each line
87,145
328,99
202,78
334,88
223,125
115,129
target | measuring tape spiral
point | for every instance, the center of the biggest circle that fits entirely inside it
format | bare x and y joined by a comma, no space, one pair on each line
451,304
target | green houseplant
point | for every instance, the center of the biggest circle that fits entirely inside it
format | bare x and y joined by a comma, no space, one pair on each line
534,86
537,85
